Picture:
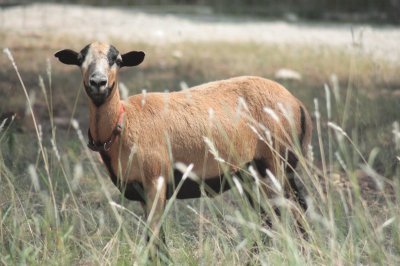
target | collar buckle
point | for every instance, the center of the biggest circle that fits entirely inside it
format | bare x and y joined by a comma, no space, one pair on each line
98,146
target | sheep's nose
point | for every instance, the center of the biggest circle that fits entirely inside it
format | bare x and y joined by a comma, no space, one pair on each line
97,80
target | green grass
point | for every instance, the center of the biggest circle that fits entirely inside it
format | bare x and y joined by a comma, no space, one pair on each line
75,216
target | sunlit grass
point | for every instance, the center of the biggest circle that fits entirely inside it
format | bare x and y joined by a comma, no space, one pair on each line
58,206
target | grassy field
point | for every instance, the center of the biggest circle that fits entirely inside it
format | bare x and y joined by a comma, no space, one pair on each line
58,206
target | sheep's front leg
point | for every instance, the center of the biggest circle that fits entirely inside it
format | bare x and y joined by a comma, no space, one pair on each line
154,207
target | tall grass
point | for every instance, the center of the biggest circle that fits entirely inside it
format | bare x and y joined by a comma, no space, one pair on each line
63,210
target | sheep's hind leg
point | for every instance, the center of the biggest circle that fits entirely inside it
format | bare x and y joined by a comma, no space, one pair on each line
261,167
291,186
254,199
154,208
292,189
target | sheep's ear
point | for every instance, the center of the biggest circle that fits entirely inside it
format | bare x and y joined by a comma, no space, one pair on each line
68,57
133,58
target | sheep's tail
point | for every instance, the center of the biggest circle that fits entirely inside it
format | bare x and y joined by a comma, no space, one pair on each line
305,131
302,138
303,126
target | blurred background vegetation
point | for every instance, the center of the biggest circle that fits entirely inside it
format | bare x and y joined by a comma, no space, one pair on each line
59,207
382,11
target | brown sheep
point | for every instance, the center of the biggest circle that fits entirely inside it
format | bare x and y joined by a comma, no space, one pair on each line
228,117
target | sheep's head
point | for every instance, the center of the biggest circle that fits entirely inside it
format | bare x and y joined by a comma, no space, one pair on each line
99,64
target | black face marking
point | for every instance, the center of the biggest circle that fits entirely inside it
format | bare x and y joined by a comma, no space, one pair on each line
83,53
112,56
99,99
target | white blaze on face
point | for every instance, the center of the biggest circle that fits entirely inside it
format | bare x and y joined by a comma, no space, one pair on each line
89,58
96,61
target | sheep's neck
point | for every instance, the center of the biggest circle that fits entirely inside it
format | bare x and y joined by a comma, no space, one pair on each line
103,119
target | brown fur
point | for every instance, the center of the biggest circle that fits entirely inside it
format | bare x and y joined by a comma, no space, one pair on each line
163,128
186,120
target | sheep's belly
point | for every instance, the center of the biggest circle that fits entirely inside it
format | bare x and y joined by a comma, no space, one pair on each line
189,189
133,190
192,189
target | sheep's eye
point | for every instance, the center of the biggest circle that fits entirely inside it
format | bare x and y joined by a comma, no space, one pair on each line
118,62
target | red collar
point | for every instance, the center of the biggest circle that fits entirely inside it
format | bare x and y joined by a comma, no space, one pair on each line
105,146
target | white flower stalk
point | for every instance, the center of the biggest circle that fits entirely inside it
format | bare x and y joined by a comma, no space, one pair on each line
78,174
271,113
123,91
143,101
192,209
75,125
48,70
40,133
378,179
287,74
275,181
43,88
34,177
213,150
287,112
335,87
160,183
337,128
328,101
113,203
30,103
387,223
396,134
340,160
242,105
254,174
101,220
256,132
186,170
3,123
238,185
268,135
55,149
316,112
340,133
310,153
183,85
10,57
118,206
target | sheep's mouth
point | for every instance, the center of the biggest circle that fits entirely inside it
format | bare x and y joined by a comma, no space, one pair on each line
98,97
